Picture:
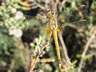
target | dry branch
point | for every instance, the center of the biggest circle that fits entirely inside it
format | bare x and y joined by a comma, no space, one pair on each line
85,50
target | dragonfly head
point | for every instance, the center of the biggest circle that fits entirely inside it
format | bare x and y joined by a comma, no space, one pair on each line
52,19
50,13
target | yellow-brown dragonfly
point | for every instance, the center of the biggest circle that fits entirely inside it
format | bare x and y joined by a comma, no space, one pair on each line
54,30
53,26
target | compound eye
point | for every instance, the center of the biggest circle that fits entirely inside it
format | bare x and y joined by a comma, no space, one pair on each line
53,12
48,10
49,13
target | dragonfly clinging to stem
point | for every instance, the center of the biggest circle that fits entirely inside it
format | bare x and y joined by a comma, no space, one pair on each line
54,29
52,21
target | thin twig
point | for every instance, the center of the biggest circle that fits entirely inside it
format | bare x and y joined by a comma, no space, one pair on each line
34,60
64,49
85,51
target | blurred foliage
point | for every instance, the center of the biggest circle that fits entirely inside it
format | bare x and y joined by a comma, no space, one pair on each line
23,29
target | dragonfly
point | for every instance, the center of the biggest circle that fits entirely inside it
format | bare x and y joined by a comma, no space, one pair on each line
54,30
53,26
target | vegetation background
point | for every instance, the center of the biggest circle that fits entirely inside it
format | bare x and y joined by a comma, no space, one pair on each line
23,29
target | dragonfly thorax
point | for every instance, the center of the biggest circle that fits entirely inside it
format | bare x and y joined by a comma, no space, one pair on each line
52,19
